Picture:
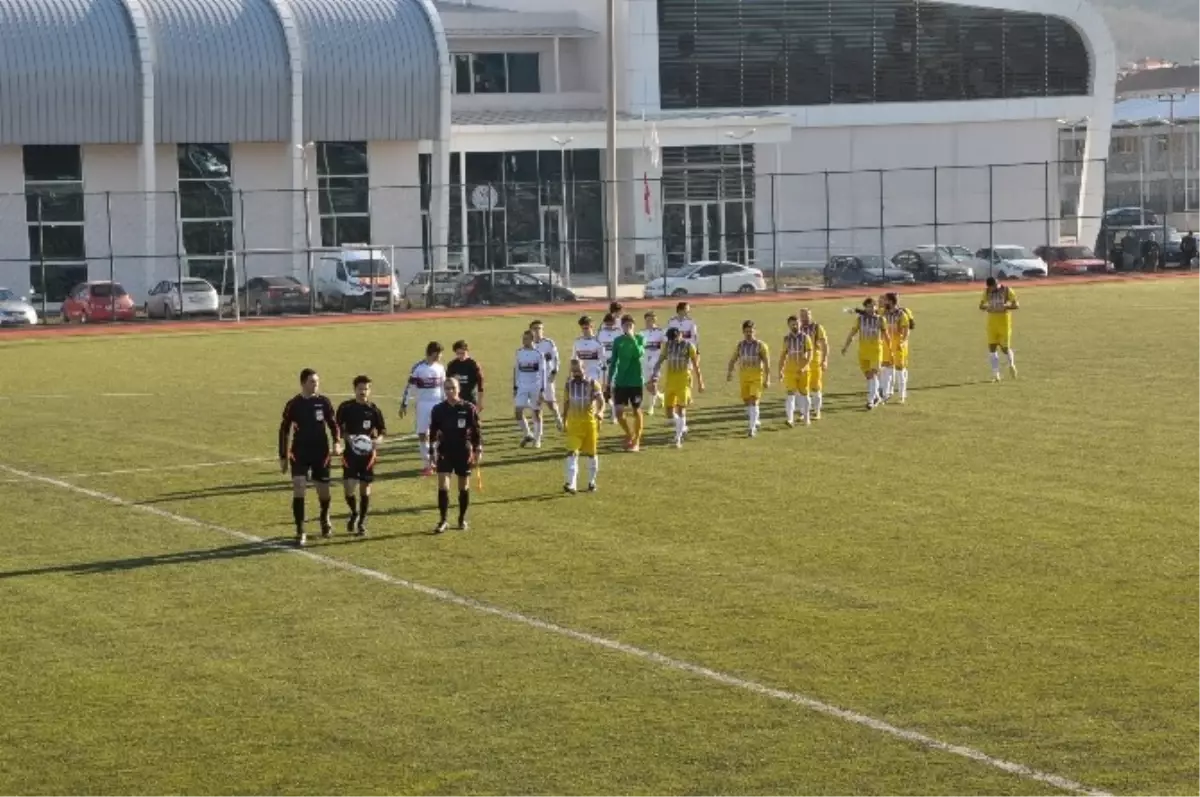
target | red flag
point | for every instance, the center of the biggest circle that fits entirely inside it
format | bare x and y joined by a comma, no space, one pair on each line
646,193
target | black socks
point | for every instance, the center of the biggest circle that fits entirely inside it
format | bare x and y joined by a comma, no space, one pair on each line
298,511
443,503
464,501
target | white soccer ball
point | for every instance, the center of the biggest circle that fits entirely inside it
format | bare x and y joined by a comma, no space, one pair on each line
361,444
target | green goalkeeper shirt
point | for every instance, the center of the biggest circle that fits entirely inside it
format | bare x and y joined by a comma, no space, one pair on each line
626,363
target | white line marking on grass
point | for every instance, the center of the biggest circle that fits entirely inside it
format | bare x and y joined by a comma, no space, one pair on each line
128,395
184,466
679,665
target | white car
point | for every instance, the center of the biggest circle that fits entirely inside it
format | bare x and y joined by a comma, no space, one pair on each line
175,299
706,277
1009,263
15,310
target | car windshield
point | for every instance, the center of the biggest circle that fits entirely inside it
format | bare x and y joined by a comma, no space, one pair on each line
367,268
196,286
1076,253
684,271
871,261
939,257
6,295
107,289
1012,253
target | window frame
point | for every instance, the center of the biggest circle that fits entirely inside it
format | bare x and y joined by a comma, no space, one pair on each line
55,268
188,223
329,179
466,72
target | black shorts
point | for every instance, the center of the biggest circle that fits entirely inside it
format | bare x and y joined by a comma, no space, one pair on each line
360,469
458,464
313,465
627,397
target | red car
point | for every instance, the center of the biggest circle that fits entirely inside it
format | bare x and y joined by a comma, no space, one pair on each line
1072,260
98,301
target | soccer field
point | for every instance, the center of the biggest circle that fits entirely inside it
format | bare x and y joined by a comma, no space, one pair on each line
995,583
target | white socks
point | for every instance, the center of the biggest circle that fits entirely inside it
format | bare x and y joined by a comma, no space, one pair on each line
523,426
1012,358
817,401
572,469
885,375
902,378
593,469
538,426
791,407
752,415
425,454
872,389
802,401
680,425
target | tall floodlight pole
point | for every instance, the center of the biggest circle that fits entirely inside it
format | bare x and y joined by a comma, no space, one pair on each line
1170,97
740,138
611,259
564,224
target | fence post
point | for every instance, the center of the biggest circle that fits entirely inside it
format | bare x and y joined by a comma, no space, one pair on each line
112,277
178,239
1046,187
774,233
42,255
991,223
828,234
936,242
882,246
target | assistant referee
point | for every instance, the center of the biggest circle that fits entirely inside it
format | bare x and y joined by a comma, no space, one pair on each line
625,382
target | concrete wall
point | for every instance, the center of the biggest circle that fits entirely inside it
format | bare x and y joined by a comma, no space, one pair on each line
396,203
884,177
14,240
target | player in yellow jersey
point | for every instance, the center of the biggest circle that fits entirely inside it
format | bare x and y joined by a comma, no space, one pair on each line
583,401
820,361
795,371
753,362
873,338
678,362
900,324
999,301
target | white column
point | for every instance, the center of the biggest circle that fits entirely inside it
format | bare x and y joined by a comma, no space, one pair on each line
149,181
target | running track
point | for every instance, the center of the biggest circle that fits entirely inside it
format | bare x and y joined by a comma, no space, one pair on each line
795,297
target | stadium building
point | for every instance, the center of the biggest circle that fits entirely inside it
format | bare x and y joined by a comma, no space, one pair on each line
151,136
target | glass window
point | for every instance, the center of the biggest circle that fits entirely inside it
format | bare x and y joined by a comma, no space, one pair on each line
462,74
344,195
52,163
523,73
345,230
60,278
344,192
205,199
756,53
56,241
54,202
203,161
490,72
342,158
207,237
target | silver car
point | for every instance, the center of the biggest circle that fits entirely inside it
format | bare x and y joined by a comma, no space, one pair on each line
172,299
15,309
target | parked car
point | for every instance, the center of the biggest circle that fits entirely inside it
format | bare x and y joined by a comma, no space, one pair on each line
172,299
507,286
98,301
15,309
959,253
1130,217
1009,262
1072,260
355,278
933,264
706,277
274,294
540,271
847,271
431,289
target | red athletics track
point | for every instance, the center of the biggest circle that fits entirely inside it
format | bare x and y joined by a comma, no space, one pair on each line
797,297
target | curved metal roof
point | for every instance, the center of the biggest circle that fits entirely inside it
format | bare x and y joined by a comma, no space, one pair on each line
221,72
68,73
371,70
70,70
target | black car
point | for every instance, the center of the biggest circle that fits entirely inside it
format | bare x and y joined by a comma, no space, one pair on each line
1130,217
847,271
932,265
508,286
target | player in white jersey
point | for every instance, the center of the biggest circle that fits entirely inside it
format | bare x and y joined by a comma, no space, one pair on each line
427,382
689,330
530,382
653,338
609,331
550,351
589,351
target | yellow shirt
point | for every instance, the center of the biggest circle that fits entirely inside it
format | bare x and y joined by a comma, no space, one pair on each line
996,301
677,357
579,398
816,333
899,321
750,357
870,330
799,348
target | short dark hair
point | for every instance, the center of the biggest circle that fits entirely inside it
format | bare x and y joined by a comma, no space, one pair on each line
892,296
747,324
537,322
649,314
307,374
460,345
627,319
679,308
362,379
991,282
672,333
868,302
792,318
433,348
609,318
584,320
615,307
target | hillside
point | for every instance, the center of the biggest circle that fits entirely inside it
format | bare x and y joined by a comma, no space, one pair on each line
1160,28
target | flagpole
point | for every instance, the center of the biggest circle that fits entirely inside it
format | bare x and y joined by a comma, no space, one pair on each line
612,261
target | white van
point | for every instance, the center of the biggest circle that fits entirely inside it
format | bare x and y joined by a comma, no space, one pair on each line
355,278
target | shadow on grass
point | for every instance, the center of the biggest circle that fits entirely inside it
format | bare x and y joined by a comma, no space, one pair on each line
239,551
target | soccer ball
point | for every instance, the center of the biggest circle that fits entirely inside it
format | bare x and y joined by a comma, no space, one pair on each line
361,444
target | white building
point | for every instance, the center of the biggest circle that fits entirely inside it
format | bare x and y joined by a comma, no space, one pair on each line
462,133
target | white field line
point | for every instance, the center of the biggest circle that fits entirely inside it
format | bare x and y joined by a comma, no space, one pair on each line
679,665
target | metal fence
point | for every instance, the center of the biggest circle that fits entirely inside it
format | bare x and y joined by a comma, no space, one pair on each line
791,227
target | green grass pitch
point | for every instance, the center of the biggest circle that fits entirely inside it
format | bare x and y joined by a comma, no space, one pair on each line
1010,567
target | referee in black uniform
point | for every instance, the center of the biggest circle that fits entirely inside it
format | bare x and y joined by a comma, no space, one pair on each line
457,442
464,370
308,420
